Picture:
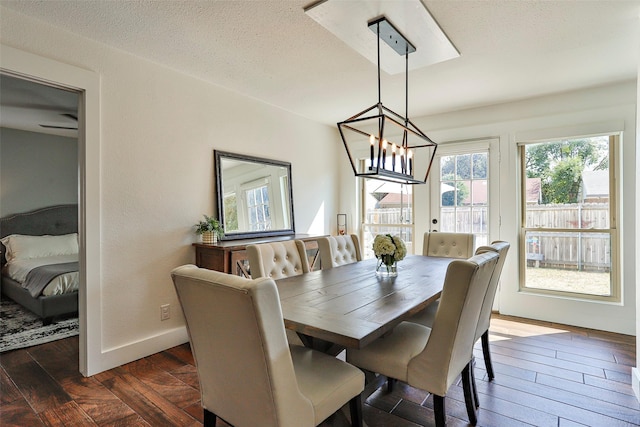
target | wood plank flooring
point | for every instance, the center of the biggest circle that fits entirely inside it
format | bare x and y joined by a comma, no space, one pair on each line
546,375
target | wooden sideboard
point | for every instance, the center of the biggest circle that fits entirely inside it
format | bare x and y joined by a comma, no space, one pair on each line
230,256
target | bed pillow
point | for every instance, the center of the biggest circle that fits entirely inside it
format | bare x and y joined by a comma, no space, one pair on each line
19,246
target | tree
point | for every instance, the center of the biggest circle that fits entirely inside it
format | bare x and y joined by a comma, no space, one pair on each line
461,193
465,166
564,183
560,165
457,171
230,213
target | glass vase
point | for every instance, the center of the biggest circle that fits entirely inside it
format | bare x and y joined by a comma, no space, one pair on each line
387,269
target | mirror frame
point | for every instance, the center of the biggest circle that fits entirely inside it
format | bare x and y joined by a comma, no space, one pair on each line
221,155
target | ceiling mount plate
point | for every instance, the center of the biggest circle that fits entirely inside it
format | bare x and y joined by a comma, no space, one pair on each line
349,21
391,36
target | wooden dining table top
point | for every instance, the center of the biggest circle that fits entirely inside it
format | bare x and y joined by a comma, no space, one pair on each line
349,306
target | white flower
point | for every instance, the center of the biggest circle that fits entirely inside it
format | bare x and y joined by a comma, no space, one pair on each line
389,249
401,249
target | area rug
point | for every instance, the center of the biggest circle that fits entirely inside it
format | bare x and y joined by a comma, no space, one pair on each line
19,328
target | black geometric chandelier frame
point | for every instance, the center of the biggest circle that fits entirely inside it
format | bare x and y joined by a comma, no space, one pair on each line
382,144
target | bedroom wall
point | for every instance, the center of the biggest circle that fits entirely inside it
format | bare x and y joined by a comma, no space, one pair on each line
36,170
158,130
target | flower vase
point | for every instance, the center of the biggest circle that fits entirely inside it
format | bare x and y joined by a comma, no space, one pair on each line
387,269
209,237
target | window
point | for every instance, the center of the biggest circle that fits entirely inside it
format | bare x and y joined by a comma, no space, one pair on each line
387,208
258,210
568,234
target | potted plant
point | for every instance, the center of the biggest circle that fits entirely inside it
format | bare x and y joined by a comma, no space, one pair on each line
210,228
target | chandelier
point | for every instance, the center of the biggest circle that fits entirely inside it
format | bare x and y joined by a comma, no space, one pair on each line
382,144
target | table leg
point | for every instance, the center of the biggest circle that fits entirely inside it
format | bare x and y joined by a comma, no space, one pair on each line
327,347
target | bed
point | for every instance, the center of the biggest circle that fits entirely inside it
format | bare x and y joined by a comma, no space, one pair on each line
42,228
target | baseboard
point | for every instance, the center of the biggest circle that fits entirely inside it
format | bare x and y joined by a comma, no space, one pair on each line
117,356
635,382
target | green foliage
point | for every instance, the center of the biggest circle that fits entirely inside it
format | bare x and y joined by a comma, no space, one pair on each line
465,166
458,171
210,224
560,165
461,193
564,183
231,212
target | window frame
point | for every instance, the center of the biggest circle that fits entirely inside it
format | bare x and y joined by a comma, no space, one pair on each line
613,231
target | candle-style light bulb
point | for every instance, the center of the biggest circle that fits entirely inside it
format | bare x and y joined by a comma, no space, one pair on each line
372,140
393,157
384,153
410,157
402,163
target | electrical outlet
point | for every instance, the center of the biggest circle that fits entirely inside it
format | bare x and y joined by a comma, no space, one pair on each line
165,312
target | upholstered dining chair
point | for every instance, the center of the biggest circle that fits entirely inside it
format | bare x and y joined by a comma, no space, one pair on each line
248,374
278,260
427,316
482,331
450,245
431,358
339,250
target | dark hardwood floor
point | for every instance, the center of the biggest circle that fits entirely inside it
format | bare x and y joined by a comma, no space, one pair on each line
546,375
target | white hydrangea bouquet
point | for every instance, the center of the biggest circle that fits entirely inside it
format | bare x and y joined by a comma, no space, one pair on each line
388,250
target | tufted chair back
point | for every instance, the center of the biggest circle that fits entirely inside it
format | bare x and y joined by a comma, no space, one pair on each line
339,250
450,245
278,259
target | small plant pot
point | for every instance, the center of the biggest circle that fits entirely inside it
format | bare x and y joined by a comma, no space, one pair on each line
209,237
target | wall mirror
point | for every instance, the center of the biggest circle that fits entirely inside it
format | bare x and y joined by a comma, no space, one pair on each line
254,196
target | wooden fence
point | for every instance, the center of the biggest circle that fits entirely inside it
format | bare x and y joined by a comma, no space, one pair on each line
389,216
584,215
569,250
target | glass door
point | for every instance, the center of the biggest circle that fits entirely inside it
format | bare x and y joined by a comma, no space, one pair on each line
461,190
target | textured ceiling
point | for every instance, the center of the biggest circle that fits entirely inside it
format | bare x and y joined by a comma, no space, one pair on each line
272,51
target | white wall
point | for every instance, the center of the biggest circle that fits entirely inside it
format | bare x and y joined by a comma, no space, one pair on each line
635,371
158,130
36,170
604,109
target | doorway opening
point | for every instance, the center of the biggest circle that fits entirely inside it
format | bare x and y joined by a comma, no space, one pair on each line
40,173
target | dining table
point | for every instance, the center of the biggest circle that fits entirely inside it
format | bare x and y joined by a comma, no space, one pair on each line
350,306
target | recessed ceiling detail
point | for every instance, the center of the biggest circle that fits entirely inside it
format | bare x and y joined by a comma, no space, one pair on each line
348,20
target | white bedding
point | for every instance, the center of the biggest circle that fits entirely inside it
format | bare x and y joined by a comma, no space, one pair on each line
17,269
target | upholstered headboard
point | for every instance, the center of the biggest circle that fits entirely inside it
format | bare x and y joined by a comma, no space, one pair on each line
53,220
